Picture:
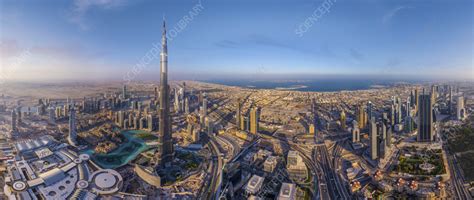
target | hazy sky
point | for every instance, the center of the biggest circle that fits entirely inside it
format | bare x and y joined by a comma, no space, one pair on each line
105,39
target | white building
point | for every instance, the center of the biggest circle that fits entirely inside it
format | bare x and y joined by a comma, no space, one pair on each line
296,167
254,185
460,111
287,192
49,170
270,164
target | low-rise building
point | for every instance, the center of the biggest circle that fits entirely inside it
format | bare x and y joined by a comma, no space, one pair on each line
47,169
262,154
254,185
270,164
295,166
287,192
249,157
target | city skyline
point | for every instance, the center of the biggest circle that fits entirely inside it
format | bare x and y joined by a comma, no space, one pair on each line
266,99
107,40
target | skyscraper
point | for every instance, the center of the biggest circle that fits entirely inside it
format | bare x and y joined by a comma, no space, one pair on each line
72,126
120,118
313,116
195,135
209,126
312,129
156,93
392,115
52,117
151,120
238,113
408,127
204,107
398,110
13,124
343,120
385,119
361,116
135,123
130,120
408,107
450,102
370,110
124,91
203,114
254,118
165,152
243,123
460,111
355,131
416,101
434,93
382,140
313,105
142,123
373,139
177,107
388,139
425,112
18,115
186,105
183,97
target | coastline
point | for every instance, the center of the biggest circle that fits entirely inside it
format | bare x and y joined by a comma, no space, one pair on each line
307,86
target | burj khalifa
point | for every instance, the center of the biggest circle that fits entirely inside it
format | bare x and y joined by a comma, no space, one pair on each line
165,152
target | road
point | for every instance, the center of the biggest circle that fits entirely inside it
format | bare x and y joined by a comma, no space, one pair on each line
322,171
232,143
212,190
337,161
216,166
335,186
316,192
324,162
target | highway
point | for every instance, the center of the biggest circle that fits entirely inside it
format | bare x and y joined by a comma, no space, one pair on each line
324,162
212,191
216,166
230,141
209,191
337,160
322,185
336,188
313,169
246,149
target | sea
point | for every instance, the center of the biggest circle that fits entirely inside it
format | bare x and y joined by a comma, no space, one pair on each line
320,85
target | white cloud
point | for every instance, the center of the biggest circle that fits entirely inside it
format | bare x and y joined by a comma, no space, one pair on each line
390,14
81,7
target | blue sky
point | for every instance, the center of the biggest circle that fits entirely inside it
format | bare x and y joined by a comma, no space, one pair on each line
105,39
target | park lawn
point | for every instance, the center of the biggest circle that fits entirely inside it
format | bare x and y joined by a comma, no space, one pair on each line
410,165
466,161
463,146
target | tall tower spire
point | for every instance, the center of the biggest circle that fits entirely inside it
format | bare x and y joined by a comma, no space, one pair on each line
164,54
165,152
